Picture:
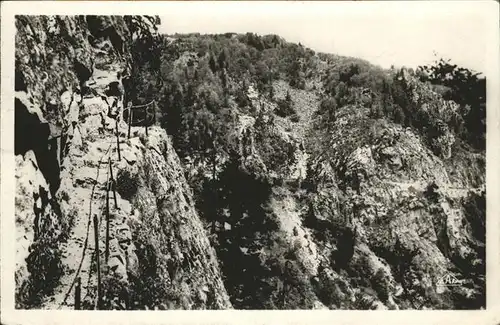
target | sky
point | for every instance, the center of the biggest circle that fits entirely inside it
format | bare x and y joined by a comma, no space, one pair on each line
384,33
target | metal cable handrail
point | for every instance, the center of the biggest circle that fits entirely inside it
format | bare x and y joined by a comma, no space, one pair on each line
136,119
142,120
139,106
76,276
92,263
88,228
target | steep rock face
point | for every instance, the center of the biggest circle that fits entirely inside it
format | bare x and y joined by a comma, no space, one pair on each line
39,140
429,102
47,49
170,236
405,213
38,228
53,54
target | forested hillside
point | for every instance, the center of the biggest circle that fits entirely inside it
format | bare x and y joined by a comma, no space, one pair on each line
319,181
344,153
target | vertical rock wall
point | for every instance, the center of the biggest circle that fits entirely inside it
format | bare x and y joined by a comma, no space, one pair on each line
171,231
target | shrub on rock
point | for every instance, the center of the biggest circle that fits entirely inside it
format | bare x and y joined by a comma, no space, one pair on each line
126,184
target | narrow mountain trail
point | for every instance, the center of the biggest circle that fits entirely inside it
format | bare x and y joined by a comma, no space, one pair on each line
84,178
451,191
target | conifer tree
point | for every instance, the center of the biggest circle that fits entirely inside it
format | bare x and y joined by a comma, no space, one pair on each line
212,63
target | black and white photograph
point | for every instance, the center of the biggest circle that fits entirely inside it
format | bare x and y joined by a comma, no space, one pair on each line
187,159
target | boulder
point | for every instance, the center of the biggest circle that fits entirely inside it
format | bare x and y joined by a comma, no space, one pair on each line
117,267
115,250
77,137
132,260
123,234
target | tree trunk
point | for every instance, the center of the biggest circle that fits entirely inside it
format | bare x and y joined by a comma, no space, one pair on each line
214,163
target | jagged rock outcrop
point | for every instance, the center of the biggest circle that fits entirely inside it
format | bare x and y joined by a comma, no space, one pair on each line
46,49
407,215
38,228
171,233
429,102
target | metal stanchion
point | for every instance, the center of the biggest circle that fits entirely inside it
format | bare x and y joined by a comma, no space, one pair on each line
78,293
107,223
96,237
118,140
129,118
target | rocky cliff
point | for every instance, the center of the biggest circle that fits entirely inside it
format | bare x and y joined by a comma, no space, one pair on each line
159,256
410,224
